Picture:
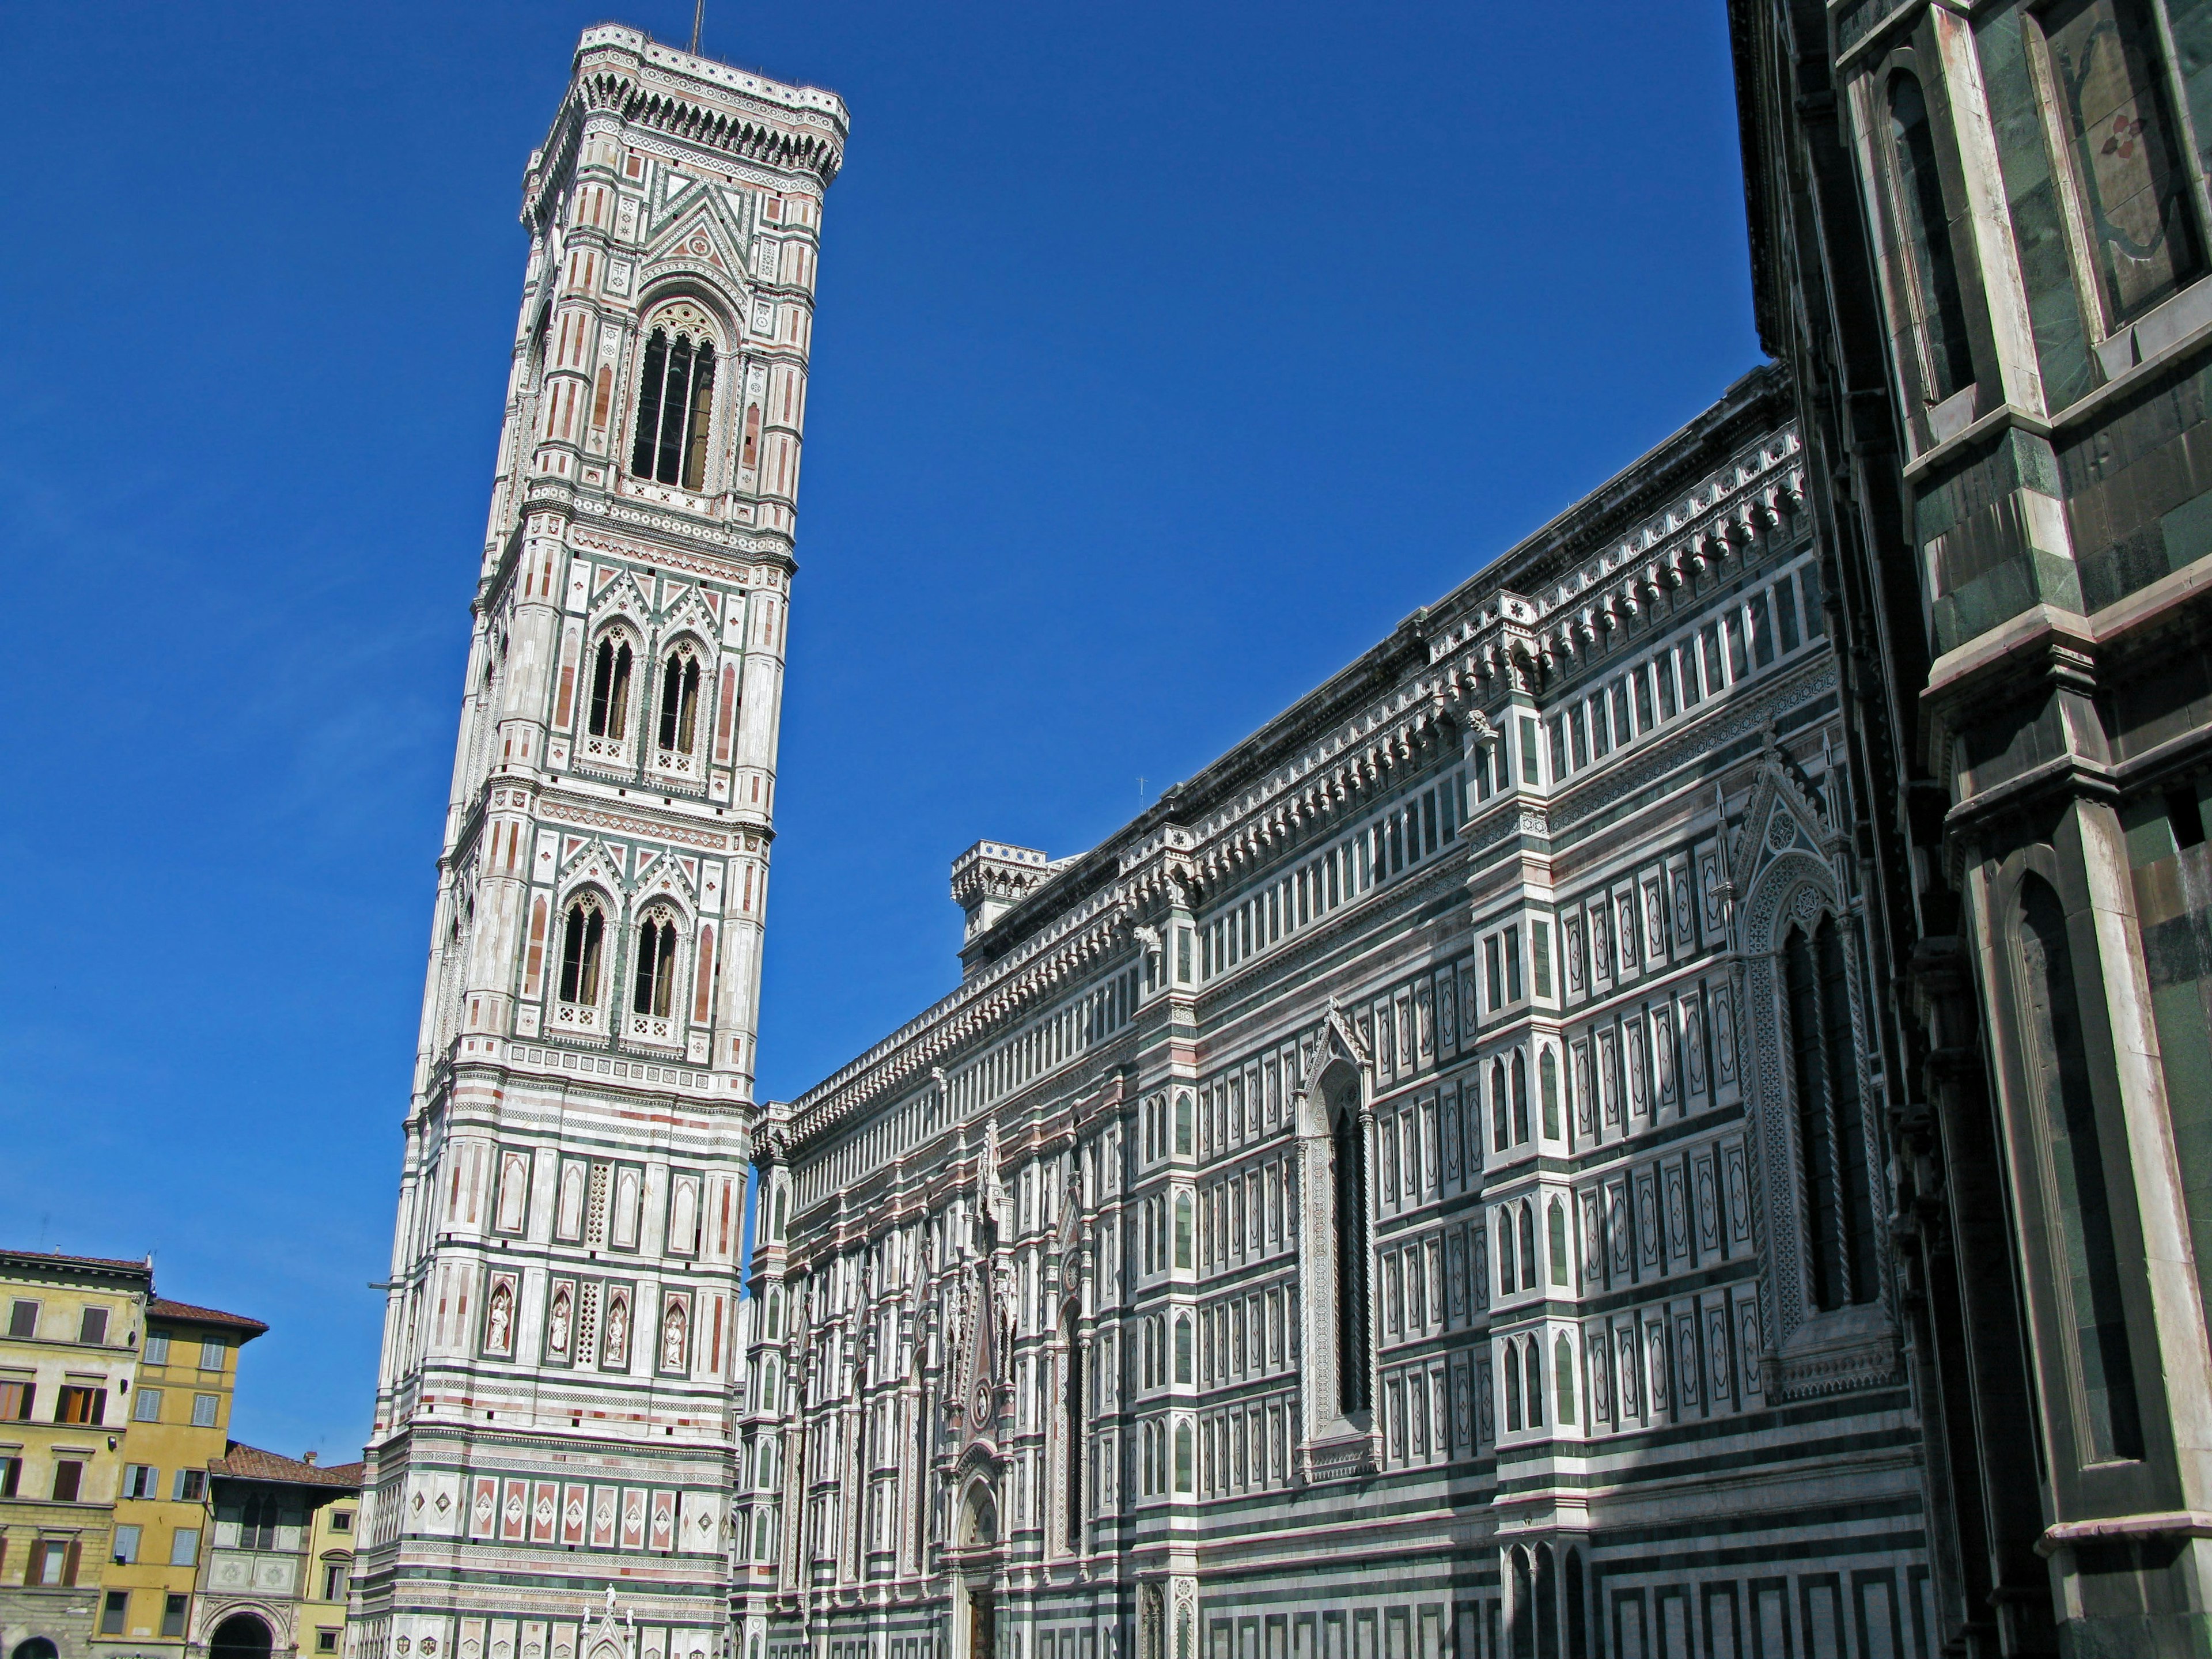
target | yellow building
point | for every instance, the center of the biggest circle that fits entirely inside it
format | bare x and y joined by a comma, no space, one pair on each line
279,1556
178,1425
69,1327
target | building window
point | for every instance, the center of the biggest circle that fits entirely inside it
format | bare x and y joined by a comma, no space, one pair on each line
113,1607
79,1404
157,1348
204,1408
1556,1237
173,1614
141,1480
69,1480
1350,1150
673,400
185,1547
680,701
1563,1379
326,1641
341,1520
256,1528
609,717
11,1476
15,1400
92,1327
1931,272
126,1546
2130,182
653,994
147,1406
1831,1138
23,1319
189,1487
211,1355
582,941
2089,1261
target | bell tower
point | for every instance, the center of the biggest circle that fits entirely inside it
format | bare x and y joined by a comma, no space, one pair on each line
552,1402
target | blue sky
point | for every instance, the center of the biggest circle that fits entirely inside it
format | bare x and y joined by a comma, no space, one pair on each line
1168,356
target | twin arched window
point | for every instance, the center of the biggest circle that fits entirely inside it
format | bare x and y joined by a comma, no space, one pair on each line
583,958
608,716
675,399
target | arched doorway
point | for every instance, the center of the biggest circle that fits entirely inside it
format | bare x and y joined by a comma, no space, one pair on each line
242,1636
37,1647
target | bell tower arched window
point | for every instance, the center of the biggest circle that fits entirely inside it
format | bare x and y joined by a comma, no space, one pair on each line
583,942
1839,1234
1350,1150
680,701
654,991
2089,1257
1925,224
610,712
674,397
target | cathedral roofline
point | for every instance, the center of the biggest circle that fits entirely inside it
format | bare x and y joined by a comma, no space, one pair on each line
1585,567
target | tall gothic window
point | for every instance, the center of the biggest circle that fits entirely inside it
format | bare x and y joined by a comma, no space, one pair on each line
583,940
675,395
610,715
2129,178
655,989
1352,1316
680,701
1073,1429
2089,1257
1925,228
1528,1223
1520,1098
1839,1233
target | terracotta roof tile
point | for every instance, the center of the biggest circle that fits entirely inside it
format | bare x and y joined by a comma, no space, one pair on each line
161,1308
240,1462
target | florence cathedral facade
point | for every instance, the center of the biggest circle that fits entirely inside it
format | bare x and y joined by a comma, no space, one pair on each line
1665,1112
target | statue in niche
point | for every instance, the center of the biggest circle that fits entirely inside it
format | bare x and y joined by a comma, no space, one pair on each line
499,1323
556,1324
617,1348
672,1338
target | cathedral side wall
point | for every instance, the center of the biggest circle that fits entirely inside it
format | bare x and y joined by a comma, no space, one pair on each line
1410,1193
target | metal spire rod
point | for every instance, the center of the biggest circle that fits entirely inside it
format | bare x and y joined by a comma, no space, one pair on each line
698,16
